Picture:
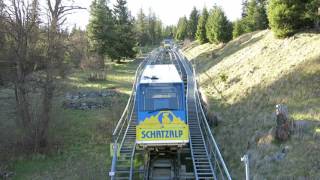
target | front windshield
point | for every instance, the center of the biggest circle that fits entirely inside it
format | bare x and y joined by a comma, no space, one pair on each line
160,98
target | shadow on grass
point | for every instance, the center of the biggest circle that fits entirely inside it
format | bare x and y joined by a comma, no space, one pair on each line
253,114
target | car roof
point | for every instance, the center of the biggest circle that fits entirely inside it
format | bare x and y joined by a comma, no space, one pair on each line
164,73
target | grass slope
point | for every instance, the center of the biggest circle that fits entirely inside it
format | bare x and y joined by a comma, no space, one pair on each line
80,148
244,80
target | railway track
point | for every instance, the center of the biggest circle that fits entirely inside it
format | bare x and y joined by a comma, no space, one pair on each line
201,159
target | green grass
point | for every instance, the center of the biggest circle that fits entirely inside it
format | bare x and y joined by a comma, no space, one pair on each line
79,139
244,80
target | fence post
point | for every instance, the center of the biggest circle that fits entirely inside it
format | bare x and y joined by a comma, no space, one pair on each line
245,160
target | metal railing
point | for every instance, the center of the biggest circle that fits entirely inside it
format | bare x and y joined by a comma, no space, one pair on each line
120,130
212,146
132,161
211,143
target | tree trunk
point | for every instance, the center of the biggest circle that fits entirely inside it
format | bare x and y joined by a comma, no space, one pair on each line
21,96
48,87
45,114
22,104
24,121
101,61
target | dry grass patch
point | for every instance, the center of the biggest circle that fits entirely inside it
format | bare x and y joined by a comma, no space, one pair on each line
244,80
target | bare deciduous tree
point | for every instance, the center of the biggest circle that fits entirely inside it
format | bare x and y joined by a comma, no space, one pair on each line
56,15
24,30
21,22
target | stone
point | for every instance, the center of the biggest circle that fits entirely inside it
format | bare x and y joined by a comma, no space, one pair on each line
104,94
72,99
6,175
68,96
279,156
75,97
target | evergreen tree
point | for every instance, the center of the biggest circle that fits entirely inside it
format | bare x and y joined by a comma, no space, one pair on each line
238,28
174,31
249,20
142,28
158,30
152,26
101,30
201,33
181,32
149,29
168,32
219,29
124,32
260,16
312,14
286,16
244,8
256,18
193,23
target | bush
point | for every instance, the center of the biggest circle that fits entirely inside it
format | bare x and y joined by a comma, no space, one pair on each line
219,29
286,16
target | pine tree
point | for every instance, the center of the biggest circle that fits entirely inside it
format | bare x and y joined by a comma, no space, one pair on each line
201,33
152,26
312,14
249,19
124,32
244,12
286,16
256,18
219,29
238,28
181,32
158,30
101,30
168,32
149,29
260,16
142,28
193,23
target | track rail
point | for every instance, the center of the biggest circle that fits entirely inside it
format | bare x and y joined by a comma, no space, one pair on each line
207,161
220,168
203,168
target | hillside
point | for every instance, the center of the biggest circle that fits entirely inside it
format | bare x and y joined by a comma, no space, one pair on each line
243,81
